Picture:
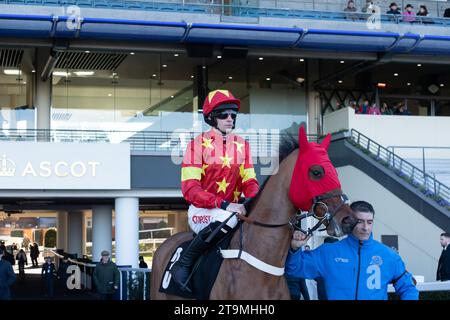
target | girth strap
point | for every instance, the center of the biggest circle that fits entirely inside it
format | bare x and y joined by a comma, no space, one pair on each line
253,261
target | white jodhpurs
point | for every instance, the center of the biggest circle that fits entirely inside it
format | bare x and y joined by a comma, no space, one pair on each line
199,218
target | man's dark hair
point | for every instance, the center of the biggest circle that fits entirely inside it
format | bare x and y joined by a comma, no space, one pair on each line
362,206
445,234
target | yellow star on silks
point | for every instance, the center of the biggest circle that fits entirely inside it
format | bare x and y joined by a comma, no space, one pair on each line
238,146
237,194
226,161
241,170
207,143
213,93
203,168
223,185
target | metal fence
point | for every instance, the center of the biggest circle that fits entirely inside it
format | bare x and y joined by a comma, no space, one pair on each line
418,178
263,143
315,9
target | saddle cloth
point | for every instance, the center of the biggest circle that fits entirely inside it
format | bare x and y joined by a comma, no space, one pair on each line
205,271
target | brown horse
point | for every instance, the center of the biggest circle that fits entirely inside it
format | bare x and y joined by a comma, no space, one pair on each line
237,279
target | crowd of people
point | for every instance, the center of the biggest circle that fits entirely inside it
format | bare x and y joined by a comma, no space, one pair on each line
400,108
408,15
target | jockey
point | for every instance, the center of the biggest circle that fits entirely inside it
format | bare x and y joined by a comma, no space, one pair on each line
216,169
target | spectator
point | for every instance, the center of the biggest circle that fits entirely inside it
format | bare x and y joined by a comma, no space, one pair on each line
408,14
403,110
21,257
443,270
7,277
34,254
142,263
48,274
364,108
386,110
393,9
354,106
106,277
423,13
374,109
447,13
351,8
62,274
8,256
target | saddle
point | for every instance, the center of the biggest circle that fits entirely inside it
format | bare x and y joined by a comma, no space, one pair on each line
204,272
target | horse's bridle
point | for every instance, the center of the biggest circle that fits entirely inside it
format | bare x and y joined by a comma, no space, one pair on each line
295,222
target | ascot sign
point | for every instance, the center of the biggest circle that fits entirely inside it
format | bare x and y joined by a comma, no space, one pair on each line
42,165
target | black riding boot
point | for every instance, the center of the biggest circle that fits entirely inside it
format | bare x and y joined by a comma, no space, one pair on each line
182,268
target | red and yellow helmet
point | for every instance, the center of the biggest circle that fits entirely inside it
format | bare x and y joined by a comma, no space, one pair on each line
219,98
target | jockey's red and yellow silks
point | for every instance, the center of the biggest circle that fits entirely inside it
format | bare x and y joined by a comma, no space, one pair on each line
214,170
303,189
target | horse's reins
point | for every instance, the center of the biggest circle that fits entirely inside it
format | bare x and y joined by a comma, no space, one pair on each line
295,221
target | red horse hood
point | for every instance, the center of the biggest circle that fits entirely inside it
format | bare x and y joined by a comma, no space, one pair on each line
303,189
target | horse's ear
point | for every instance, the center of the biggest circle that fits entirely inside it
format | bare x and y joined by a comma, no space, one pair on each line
326,142
302,139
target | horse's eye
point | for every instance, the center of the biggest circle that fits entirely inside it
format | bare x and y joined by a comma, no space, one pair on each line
316,172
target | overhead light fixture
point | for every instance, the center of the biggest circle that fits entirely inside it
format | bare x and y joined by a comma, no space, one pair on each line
419,64
33,71
11,72
340,81
231,78
154,75
300,79
408,84
203,67
132,53
26,83
395,74
87,51
381,85
109,94
175,54
164,65
192,77
441,85
302,60
219,57
260,58
268,79
342,61
61,73
84,73
171,97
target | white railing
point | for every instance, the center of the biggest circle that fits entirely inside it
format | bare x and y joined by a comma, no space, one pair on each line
428,286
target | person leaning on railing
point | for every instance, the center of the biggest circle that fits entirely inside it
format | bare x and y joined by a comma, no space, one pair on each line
351,8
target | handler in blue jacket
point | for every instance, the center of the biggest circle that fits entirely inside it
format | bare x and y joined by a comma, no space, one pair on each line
355,268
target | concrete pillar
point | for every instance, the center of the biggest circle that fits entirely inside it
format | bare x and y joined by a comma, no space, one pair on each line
101,231
127,231
75,233
61,235
43,91
312,97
